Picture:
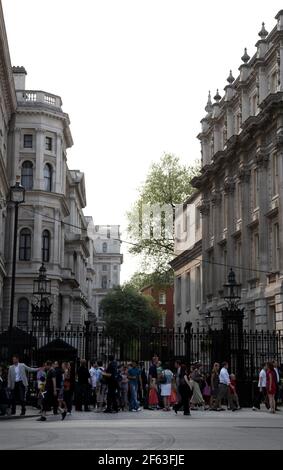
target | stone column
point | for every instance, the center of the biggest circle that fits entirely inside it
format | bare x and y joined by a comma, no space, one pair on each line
16,169
260,313
229,189
39,165
244,178
263,227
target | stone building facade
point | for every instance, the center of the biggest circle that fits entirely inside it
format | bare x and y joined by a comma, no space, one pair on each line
187,264
7,108
106,262
241,186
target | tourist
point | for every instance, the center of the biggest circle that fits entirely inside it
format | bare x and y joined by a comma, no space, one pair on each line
18,383
261,394
232,394
134,377
101,387
184,389
41,379
214,405
142,390
207,391
197,380
224,382
124,389
271,386
59,384
50,393
275,364
94,375
165,380
67,386
83,386
4,392
111,375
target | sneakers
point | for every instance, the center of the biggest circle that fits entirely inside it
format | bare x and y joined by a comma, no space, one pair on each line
254,408
64,414
42,418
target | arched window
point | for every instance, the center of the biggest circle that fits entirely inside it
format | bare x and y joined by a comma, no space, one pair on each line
23,309
48,177
45,246
27,175
104,247
25,245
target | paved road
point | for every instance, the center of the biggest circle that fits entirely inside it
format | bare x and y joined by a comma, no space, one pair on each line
147,430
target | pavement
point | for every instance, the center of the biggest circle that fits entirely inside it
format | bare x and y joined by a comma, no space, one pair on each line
145,430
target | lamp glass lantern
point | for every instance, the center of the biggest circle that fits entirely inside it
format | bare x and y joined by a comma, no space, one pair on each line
17,193
232,290
42,285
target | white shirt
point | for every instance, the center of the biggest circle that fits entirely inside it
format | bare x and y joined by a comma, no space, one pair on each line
262,379
224,376
277,374
92,373
17,372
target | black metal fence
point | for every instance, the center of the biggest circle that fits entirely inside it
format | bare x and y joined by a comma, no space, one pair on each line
244,351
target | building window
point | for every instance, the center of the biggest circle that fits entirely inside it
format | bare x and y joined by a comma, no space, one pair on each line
108,233
252,323
274,82
25,245
198,286
104,267
275,174
100,311
162,321
27,175
28,138
104,282
48,177
178,299
255,254
162,298
239,201
45,246
188,291
271,318
23,310
275,247
115,267
197,215
48,144
104,247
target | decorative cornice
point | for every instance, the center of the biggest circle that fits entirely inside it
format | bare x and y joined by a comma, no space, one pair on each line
261,158
244,173
229,185
204,207
216,197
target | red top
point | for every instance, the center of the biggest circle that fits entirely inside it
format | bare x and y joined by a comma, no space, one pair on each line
271,382
232,386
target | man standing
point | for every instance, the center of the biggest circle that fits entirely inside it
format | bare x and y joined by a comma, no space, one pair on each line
94,373
134,376
83,385
18,383
59,381
275,364
178,378
262,393
111,374
224,382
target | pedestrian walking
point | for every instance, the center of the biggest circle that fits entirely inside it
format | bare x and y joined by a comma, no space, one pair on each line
59,384
165,381
5,397
124,389
271,381
50,395
184,390
134,377
215,404
197,379
275,365
234,403
67,386
18,383
101,387
83,386
261,393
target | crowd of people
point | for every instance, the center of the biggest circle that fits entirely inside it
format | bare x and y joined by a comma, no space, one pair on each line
114,387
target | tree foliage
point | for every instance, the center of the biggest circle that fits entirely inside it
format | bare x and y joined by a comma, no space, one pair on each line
168,183
126,312
156,279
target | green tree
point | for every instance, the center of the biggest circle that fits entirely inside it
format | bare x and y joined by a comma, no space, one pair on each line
126,312
168,183
156,279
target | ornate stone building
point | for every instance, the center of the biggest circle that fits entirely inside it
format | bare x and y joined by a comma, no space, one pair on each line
241,186
7,108
187,265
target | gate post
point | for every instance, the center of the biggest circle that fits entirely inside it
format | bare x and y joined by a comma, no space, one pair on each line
188,337
87,325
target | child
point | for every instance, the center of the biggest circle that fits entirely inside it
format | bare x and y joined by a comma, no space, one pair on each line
153,395
233,396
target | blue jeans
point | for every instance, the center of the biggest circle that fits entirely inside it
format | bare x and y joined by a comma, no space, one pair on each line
134,404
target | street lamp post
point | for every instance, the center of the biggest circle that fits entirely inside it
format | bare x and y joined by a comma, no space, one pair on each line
17,197
41,307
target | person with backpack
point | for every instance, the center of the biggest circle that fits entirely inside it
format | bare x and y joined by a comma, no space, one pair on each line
165,380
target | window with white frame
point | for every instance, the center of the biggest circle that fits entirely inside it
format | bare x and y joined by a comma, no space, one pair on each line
27,175
275,174
162,298
47,173
48,143
104,282
23,311
104,267
25,245
28,141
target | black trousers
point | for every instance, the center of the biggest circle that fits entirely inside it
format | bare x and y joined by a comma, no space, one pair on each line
83,397
19,395
111,397
185,393
261,397
68,399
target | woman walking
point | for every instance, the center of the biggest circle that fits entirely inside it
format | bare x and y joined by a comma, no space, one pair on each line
184,390
197,380
165,380
271,380
214,404
67,389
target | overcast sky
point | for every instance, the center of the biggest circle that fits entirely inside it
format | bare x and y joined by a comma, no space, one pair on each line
133,76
